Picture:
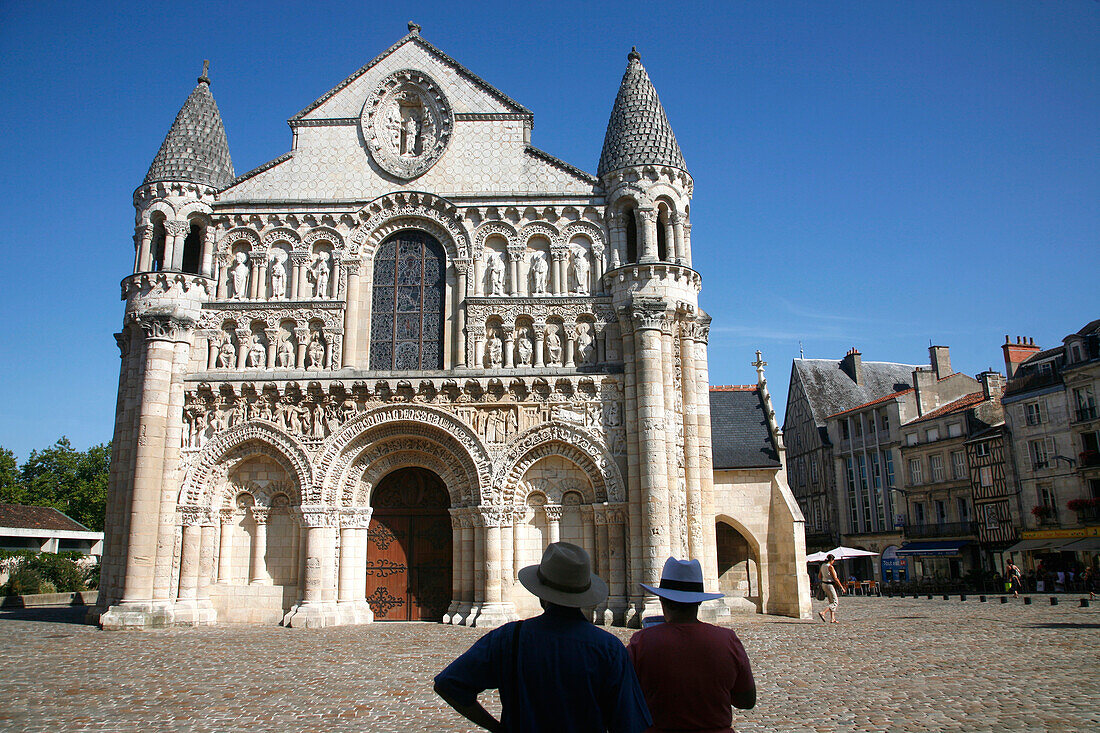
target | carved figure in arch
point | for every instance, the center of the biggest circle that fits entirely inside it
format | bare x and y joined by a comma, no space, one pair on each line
393,126
278,275
319,274
239,273
612,415
494,350
315,352
584,343
226,354
524,348
410,129
257,354
553,346
284,356
580,272
511,422
538,274
495,269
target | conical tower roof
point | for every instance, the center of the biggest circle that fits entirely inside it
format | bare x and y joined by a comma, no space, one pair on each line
195,149
638,132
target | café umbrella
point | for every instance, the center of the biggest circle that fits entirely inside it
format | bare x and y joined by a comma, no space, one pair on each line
840,553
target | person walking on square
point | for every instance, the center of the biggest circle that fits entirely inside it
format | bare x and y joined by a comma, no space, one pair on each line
555,672
831,582
691,672
1014,577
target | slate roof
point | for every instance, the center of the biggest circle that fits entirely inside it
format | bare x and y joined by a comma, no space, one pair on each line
739,436
195,149
638,132
962,403
18,516
829,389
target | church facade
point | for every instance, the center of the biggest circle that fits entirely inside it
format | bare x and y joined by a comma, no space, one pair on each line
372,378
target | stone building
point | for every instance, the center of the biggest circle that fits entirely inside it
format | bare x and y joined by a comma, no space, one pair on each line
372,378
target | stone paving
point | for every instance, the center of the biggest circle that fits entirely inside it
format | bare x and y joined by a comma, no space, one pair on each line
891,665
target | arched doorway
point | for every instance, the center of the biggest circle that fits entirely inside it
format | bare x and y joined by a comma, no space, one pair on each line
738,569
409,547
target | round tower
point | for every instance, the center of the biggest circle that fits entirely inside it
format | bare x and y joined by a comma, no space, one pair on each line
655,293
173,277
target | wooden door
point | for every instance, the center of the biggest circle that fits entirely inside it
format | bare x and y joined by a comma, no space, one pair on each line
409,548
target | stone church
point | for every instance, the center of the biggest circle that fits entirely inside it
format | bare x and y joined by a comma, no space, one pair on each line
374,377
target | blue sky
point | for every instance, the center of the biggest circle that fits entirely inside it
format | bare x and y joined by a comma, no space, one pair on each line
872,174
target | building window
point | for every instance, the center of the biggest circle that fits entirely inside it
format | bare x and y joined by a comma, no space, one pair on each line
992,521
1040,452
853,501
884,421
941,511
958,465
911,439
936,463
985,476
844,430
932,435
981,450
1045,369
916,477
888,461
1033,413
954,430
813,469
1086,403
1045,495
963,509
406,330
918,512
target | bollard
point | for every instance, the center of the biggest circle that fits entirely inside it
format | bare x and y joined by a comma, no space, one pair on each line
1084,603
1004,599
982,599
962,597
929,596
1027,600
946,597
1054,600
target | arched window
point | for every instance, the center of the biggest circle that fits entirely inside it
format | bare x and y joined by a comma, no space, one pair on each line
407,303
192,250
662,234
157,246
631,236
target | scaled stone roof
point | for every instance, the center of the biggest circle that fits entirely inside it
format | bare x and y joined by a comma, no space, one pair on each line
739,436
19,516
638,132
195,149
829,389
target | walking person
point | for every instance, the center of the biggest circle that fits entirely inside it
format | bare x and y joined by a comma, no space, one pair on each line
1015,578
691,672
555,672
830,581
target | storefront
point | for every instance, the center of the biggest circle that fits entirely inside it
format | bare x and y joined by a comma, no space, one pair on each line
1057,548
938,559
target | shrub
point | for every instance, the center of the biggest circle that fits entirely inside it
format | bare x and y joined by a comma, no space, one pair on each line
22,582
31,573
1041,510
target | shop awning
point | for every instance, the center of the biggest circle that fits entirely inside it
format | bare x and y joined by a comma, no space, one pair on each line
1047,543
937,547
1089,544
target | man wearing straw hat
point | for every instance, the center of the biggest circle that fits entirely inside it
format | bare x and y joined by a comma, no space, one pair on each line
555,672
691,672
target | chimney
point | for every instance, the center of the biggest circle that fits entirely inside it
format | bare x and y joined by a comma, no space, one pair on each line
1017,353
924,384
992,384
941,361
852,364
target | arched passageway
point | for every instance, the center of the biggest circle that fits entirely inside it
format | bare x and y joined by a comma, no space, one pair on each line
409,547
738,565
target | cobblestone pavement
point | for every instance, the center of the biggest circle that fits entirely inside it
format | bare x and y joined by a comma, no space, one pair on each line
891,665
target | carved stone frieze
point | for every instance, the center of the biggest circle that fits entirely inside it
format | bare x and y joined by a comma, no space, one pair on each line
407,123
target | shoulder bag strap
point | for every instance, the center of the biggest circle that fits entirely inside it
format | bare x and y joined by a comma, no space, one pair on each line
515,654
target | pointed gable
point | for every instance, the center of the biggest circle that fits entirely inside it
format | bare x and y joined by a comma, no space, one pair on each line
195,149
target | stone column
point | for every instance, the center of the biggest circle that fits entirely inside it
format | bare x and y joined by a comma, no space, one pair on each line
672,464
189,553
689,392
597,268
145,248
174,234
493,611
553,522
570,345
244,338
709,558
560,268
477,532
649,316
509,345
633,561
301,336
257,573
467,610
225,546
329,338
516,254
477,333
479,273
352,607
616,230
462,269
648,238
588,535
601,343
456,570
212,350
272,335
507,552
599,519
206,557
678,239
318,550
616,549
297,267
223,276
351,314
206,269
540,341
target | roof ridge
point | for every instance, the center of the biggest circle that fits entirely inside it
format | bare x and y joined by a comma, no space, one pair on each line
884,398
559,163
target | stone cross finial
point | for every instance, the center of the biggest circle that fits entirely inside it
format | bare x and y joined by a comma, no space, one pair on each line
205,78
634,55
414,27
759,364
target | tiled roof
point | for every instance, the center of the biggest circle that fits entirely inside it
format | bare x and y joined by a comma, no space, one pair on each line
962,403
884,398
829,390
739,436
195,149
733,388
18,516
638,132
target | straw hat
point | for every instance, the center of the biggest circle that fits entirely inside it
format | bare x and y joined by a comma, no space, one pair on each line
564,577
681,581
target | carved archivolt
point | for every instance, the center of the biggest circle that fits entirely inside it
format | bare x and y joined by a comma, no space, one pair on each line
418,210
498,228
586,228
572,442
256,437
327,234
281,234
238,234
538,228
378,461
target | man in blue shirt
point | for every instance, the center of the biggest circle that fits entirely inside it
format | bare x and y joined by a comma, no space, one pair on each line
555,672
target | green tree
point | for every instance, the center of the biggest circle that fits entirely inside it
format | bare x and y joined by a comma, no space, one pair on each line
71,481
11,483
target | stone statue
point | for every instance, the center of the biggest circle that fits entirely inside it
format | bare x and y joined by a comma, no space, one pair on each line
496,274
257,354
319,273
553,346
495,350
524,348
580,272
316,352
284,356
393,126
226,352
239,272
278,275
584,344
411,130
538,274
